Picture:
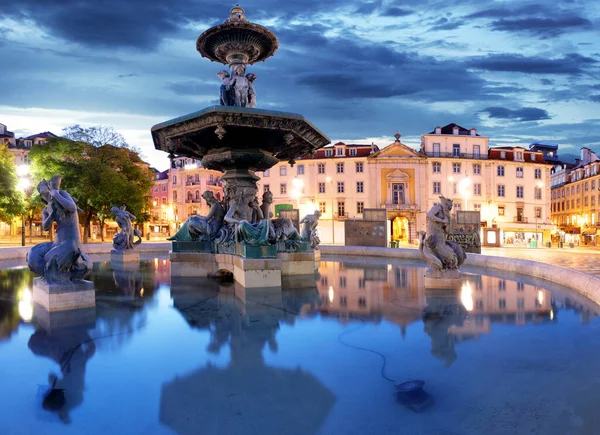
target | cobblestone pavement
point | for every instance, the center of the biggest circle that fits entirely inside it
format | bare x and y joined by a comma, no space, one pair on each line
582,258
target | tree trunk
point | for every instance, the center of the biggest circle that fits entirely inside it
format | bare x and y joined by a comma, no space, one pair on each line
87,220
102,230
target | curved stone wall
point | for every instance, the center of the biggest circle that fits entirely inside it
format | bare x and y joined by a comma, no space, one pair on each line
586,284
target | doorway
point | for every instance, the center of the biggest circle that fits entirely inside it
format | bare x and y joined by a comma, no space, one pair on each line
400,229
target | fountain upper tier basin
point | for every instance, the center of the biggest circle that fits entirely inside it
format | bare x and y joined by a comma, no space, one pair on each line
219,129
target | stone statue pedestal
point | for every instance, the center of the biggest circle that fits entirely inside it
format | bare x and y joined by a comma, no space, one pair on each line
252,251
64,296
56,321
125,256
444,279
190,246
317,253
257,273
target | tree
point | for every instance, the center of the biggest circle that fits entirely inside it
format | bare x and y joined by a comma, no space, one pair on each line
96,135
98,177
11,200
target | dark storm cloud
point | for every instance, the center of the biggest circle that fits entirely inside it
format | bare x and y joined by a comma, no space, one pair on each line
543,27
396,12
522,114
571,63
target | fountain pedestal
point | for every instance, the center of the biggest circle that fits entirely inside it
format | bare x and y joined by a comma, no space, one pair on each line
125,256
64,296
443,279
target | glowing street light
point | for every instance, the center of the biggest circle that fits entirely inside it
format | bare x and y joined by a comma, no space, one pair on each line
24,185
464,188
330,182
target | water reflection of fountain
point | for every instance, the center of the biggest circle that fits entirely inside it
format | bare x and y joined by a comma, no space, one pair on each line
246,393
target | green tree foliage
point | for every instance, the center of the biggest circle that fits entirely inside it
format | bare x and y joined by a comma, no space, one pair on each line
98,177
11,200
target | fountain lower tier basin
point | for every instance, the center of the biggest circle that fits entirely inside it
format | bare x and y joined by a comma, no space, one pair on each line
249,272
238,137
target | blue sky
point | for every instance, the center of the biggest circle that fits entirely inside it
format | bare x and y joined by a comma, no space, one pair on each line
518,71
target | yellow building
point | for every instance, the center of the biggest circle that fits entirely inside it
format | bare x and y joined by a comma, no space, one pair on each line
576,199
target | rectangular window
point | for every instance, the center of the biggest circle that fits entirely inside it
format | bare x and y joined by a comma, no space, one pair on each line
343,301
456,168
341,207
518,155
476,151
266,173
437,188
360,206
500,210
361,282
328,153
502,303
521,303
538,173
502,154
500,171
300,169
502,285
174,180
322,207
519,191
164,187
360,187
477,207
532,157
283,189
266,188
342,282
321,187
174,196
476,169
283,171
339,151
477,189
456,150
500,189
359,167
436,149
538,193
340,168
340,187
353,152
156,188
321,168
538,212
519,172
437,167
164,200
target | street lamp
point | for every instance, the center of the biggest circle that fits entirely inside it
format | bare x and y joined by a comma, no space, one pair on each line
23,185
539,185
464,188
297,190
330,182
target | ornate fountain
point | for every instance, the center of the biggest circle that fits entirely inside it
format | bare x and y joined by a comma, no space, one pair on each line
238,139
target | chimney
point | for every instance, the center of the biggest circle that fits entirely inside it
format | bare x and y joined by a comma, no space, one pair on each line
473,131
438,130
455,130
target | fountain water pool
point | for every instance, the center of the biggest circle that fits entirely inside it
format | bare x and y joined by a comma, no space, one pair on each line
164,355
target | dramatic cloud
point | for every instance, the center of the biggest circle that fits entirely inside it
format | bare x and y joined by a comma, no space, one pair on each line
572,63
358,70
522,114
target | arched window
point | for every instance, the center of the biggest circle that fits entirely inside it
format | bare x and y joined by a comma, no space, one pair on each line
197,195
189,196
174,195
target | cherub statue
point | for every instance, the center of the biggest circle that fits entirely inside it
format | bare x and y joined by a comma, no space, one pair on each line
125,239
251,92
226,95
61,260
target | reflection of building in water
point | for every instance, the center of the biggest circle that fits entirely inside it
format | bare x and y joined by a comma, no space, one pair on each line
397,293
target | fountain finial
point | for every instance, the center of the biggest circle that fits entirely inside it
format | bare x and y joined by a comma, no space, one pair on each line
236,15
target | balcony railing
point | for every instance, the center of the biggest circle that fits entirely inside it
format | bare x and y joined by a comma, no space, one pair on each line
476,156
520,220
340,216
192,183
411,207
214,183
193,200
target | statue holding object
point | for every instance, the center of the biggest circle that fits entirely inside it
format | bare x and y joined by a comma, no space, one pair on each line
309,229
125,239
202,228
62,260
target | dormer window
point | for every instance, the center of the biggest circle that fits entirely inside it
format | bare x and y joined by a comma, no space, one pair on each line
353,152
328,153
532,157
518,155
502,154
339,151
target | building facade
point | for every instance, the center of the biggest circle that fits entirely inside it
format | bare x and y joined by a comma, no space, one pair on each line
576,200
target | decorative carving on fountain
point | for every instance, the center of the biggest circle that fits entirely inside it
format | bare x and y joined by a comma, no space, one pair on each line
440,255
62,260
125,239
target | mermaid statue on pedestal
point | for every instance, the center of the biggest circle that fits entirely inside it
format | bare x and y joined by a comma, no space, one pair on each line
62,260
